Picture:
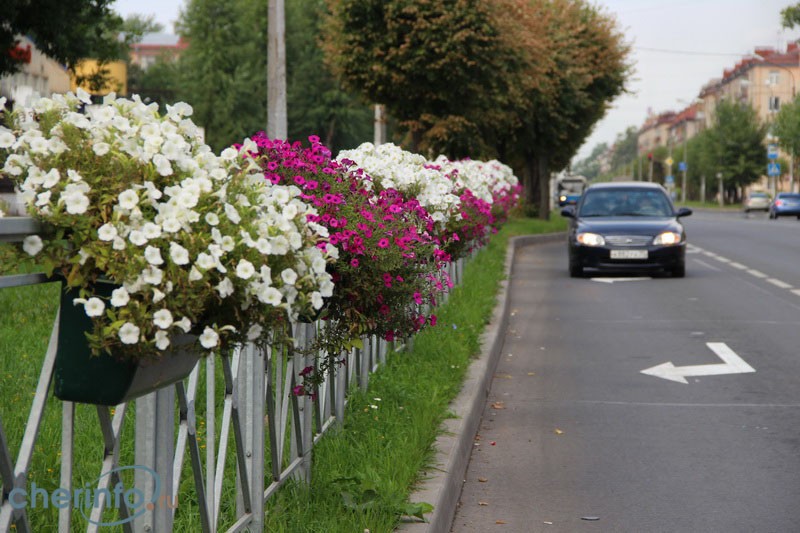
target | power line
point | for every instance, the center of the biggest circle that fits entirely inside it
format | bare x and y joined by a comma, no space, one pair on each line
687,52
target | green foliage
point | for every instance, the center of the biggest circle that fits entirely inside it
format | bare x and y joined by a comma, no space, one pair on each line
160,83
790,16
223,73
736,144
316,103
787,126
65,30
435,65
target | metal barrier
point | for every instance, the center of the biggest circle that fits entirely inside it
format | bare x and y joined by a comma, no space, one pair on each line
266,419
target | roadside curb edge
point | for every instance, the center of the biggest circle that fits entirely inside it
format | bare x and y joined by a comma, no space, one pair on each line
442,487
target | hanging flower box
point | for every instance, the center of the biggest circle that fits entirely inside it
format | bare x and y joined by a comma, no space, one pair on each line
83,377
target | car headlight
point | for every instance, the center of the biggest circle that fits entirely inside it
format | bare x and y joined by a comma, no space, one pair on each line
591,239
667,238
562,198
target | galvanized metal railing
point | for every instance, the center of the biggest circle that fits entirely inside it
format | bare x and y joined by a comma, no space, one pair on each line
268,423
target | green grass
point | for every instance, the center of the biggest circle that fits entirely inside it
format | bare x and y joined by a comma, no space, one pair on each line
694,204
363,473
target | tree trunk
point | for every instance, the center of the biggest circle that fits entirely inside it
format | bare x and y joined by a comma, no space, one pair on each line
330,133
544,187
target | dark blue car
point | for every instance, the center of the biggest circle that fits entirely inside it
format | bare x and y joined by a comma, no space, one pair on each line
785,204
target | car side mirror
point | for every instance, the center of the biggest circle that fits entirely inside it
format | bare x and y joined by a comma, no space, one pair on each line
568,211
683,212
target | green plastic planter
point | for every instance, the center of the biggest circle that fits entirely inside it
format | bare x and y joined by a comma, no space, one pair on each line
104,380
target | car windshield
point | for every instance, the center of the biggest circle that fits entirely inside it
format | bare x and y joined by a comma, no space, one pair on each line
758,195
625,202
786,196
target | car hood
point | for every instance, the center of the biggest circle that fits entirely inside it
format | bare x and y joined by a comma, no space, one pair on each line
629,225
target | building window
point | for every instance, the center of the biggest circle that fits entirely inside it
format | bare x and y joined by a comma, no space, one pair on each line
774,104
774,77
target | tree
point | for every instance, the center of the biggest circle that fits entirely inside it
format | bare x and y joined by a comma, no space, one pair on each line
736,144
223,72
625,147
790,16
786,127
65,30
432,64
587,68
316,103
590,166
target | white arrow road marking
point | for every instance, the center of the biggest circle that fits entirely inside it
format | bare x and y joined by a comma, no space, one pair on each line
614,280
733,364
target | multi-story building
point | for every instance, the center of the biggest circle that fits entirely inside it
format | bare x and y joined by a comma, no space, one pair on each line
655,132
154,46
39,76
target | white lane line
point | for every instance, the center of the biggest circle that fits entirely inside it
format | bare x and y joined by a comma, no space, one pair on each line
715,269
756,273
779,283
739,266
722,259
796,291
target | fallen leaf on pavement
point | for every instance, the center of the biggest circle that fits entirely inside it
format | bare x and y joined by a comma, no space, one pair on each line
500,522
503,376
483,503
559,432
531,373
482,479
499,405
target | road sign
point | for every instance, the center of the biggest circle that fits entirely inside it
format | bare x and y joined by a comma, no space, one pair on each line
772,151
669,180
682,166
773,169
669,161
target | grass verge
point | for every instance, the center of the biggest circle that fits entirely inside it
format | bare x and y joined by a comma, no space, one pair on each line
364,472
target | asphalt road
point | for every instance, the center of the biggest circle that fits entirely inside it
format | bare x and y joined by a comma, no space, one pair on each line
576,438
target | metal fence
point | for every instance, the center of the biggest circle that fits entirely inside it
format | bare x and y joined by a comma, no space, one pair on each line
273,430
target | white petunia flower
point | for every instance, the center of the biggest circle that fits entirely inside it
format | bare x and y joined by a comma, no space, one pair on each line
232,214
254,332
129,333
289,276
119,243
245,269
107,232
225,288
316,300
120,297
152,275
151,231
128,199
101,149
195,275
32,244
178,254
209,339
212,219
269,295
7,138
162,318
185,324
94,307
162,340
171,225
77,203
205,261
153,256
137,237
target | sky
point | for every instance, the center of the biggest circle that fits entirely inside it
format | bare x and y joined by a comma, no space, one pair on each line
677,47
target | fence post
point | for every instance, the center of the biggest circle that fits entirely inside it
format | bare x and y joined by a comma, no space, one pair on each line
251,411
155,449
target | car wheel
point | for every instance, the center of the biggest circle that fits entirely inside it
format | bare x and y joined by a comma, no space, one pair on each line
679,270
575,270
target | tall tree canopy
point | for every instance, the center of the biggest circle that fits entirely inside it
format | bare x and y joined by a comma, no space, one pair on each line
65,30
223,72
522,79
736,143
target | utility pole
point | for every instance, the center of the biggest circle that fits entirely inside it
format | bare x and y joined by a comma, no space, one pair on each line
277,127
380,125
685,162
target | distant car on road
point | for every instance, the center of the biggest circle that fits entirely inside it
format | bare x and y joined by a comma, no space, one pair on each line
757,201
785,204
626,226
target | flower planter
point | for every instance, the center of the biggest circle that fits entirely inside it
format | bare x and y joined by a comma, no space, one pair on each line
82,377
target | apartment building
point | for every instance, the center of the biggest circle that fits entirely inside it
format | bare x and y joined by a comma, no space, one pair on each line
39,76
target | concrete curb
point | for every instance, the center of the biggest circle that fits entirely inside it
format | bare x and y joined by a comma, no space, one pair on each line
442,487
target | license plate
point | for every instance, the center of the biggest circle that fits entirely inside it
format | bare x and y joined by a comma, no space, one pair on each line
628,254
